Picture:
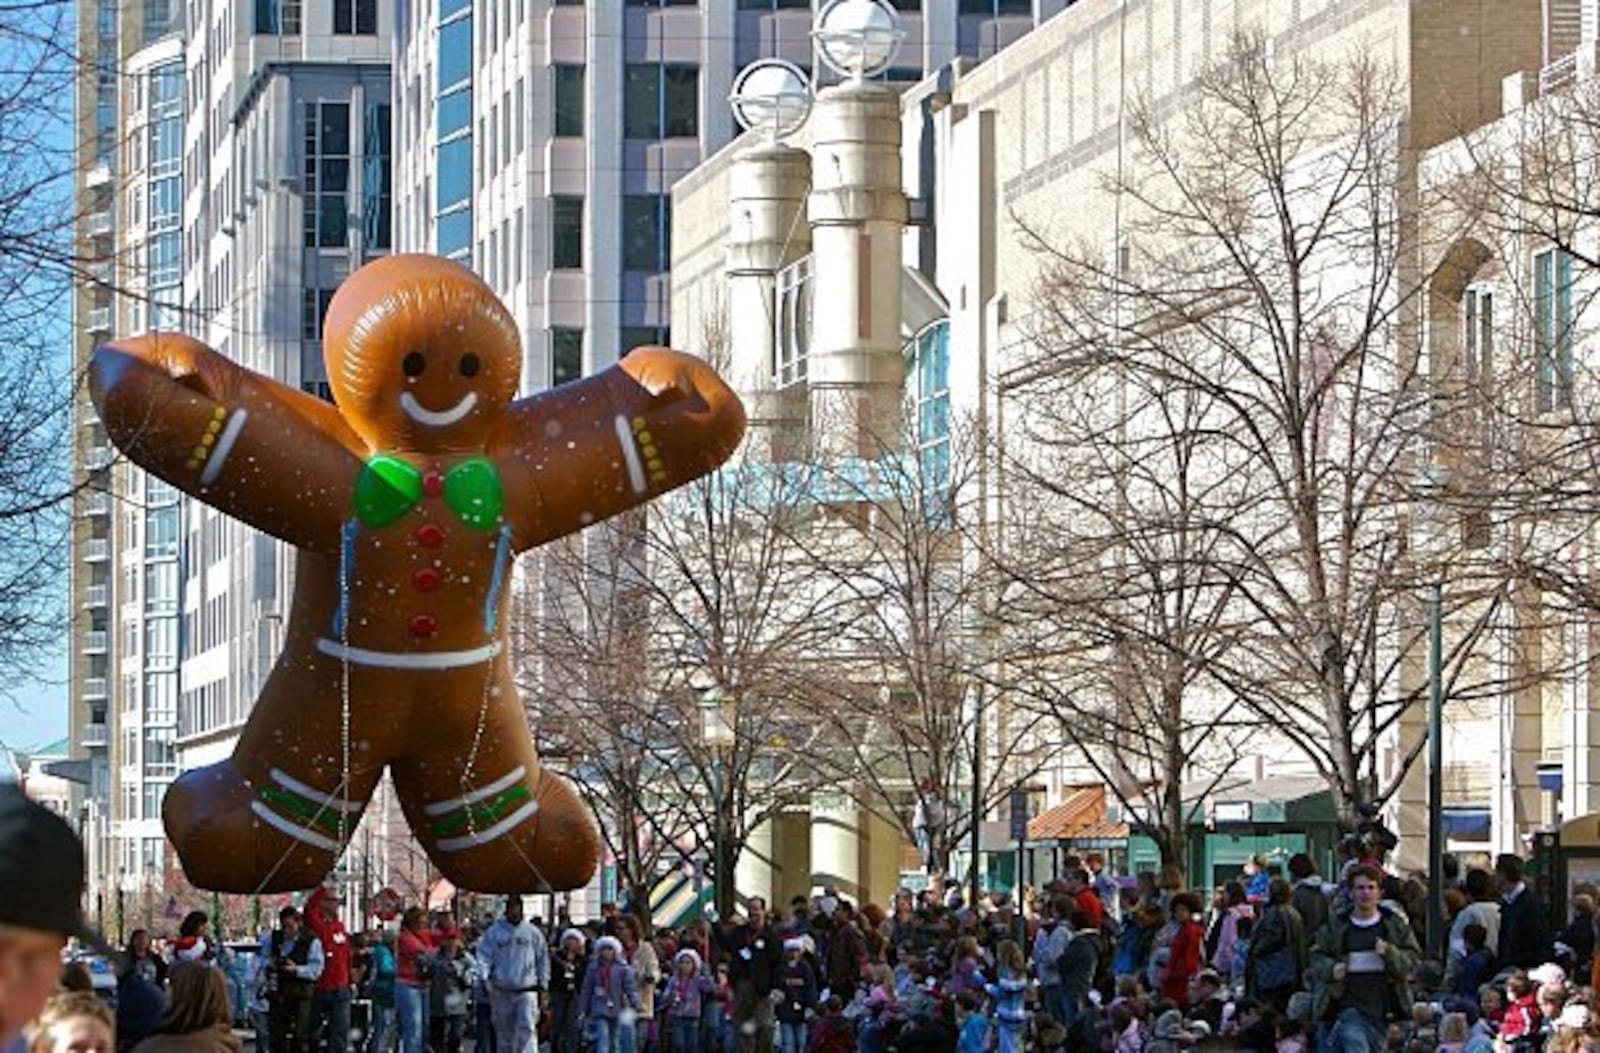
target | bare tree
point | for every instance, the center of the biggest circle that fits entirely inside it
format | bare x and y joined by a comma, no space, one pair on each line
901,686
1258,309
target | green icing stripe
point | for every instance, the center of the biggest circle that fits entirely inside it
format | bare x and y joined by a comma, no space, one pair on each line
479,815
308,812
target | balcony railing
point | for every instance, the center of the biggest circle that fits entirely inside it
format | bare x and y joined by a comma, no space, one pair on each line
97,503
96,596
94,641
94,689
100,319
1560,73
95,736
98,457
97,549
100,223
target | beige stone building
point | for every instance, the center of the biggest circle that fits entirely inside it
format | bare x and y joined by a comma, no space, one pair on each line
1023,143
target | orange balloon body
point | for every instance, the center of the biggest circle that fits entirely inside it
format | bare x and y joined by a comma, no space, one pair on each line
407,501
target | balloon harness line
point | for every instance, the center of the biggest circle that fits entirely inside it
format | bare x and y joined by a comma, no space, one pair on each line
342,790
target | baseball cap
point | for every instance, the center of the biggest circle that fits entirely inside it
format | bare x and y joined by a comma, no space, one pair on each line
41,869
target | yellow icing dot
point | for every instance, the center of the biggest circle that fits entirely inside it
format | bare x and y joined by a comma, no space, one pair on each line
658,477
650,451
638,422
219,412
654,466
645,438
199,453
207,440
214,427
191,464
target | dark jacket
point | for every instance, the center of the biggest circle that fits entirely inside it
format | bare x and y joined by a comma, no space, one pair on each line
1281,933
1524,943
1310,898
753,955
1327,950
1077,963
798,983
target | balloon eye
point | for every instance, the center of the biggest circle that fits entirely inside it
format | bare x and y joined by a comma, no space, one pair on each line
469,365
414,364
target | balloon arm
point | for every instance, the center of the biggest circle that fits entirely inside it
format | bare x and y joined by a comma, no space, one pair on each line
600,446
225,435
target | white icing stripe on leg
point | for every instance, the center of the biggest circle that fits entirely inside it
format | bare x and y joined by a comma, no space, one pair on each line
456,844
299,833
630,454
224,446
505,782
399,660
310,793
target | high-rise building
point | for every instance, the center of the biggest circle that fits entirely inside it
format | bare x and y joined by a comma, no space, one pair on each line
236,170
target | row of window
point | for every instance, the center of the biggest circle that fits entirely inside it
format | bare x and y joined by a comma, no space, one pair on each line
286,17
646,232
1553,332
325,175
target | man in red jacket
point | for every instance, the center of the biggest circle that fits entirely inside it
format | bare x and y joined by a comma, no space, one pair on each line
330,999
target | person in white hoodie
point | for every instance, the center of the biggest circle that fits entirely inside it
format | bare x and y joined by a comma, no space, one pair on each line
514,960
1483,908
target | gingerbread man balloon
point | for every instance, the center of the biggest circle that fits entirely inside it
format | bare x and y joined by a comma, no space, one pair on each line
407,500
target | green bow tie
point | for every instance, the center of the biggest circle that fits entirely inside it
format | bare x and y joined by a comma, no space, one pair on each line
390,487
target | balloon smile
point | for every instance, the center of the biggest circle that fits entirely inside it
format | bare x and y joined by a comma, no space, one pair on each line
437,418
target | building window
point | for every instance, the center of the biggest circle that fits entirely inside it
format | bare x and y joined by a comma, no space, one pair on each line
995,8
566,232
646,232
278,17
633,336
930,358
792,319
568,96
1552,294
313,310
161,533
326,174
661,100
355,17
1477,337
377,177
774,5
566,356
454,163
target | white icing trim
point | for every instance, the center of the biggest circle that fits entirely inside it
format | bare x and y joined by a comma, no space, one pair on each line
505,782
630,454
311,793
299,833
224,446
395,660
437,418
516,818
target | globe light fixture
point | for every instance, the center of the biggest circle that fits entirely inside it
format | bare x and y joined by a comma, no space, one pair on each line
857,39
772,98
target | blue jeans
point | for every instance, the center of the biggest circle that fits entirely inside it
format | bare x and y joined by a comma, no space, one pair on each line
792,1037
382,1029
331,1011
606,1033
685,1034
1355,1032
411,1005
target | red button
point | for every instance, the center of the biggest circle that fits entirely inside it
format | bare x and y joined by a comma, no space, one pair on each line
432,484
427,579
430,534
424,625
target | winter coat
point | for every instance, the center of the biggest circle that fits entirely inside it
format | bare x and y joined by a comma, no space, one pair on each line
219,1039
607,990
1078,962
1327,950
1280,935
798,985
1182,963
685,996
1310,898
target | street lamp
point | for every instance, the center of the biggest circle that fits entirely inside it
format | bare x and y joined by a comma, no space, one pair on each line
1430,516
718,727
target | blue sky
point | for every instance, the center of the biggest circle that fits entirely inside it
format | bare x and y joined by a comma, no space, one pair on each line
36,712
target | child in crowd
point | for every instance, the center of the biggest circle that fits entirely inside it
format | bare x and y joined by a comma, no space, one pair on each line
1007,994
974,1034
73,1022
833,1032
1453,1033
1421,1034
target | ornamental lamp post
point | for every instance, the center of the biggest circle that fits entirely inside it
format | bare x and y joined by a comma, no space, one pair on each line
1431,541
718,730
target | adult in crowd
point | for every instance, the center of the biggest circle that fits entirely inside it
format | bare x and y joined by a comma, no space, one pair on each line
1277,954
1077,964
1310,897
847,950
1482,909
381,971
1188,941
1578,936
753,949
1524,942
1360,967
194,939
41,875
140,957
641,958
515,962
74,1022
566,980
294,962
1049,945
412,979
330,994
197,1018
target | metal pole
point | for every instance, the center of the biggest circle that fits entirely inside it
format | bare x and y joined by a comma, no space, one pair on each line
977,803
1435,772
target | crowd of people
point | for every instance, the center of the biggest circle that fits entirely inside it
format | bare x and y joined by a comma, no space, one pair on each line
1283,962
